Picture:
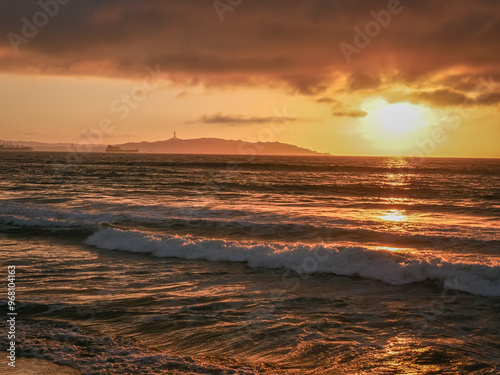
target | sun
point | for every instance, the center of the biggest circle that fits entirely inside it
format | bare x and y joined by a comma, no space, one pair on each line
395,127
400,118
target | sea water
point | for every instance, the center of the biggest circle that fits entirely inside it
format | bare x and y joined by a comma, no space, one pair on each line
193,264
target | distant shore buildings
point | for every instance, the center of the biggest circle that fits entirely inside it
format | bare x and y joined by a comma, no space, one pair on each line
8,146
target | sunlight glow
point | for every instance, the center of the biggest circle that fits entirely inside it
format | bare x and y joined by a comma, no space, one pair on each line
400,118
395,127
392,249
393,216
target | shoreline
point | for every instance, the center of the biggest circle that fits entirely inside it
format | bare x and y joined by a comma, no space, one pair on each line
37,366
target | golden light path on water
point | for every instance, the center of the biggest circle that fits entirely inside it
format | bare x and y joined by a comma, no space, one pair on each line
393,216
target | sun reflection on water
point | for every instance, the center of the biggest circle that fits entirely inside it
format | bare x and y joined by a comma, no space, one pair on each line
392,249
394,216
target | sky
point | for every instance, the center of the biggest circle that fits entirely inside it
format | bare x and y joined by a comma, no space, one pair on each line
419,78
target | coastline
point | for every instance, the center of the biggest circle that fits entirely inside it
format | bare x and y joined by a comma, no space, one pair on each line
37,366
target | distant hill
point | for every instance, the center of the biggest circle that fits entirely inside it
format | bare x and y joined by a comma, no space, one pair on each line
184,146
218,146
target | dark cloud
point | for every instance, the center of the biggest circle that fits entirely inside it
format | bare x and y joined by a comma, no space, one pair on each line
325,99
239,119
487,99
441,98
283,43
363,81
350,113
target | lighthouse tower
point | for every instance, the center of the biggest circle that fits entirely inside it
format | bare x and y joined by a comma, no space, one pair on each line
175,136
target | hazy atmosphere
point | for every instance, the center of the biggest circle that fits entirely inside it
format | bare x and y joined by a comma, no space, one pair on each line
250,187
343,73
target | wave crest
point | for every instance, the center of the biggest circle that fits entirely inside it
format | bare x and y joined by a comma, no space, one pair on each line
386,266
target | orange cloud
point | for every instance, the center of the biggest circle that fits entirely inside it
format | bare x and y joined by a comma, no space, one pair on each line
292,43
350,113
238,119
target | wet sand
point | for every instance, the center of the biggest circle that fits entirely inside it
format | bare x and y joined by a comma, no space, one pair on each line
36,366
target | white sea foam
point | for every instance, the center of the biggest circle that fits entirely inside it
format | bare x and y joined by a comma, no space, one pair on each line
34,216
69,346
386,266
270,225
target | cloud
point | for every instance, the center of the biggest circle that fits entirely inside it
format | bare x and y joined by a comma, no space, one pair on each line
488,99
363,81
442,97
285,43
350,113
482,96
238,119
326,100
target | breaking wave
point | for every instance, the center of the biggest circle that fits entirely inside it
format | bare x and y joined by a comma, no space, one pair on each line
390,267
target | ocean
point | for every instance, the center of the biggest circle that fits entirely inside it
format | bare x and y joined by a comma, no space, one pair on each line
203,264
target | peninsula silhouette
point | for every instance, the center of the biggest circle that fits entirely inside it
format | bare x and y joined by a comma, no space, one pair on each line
175,145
